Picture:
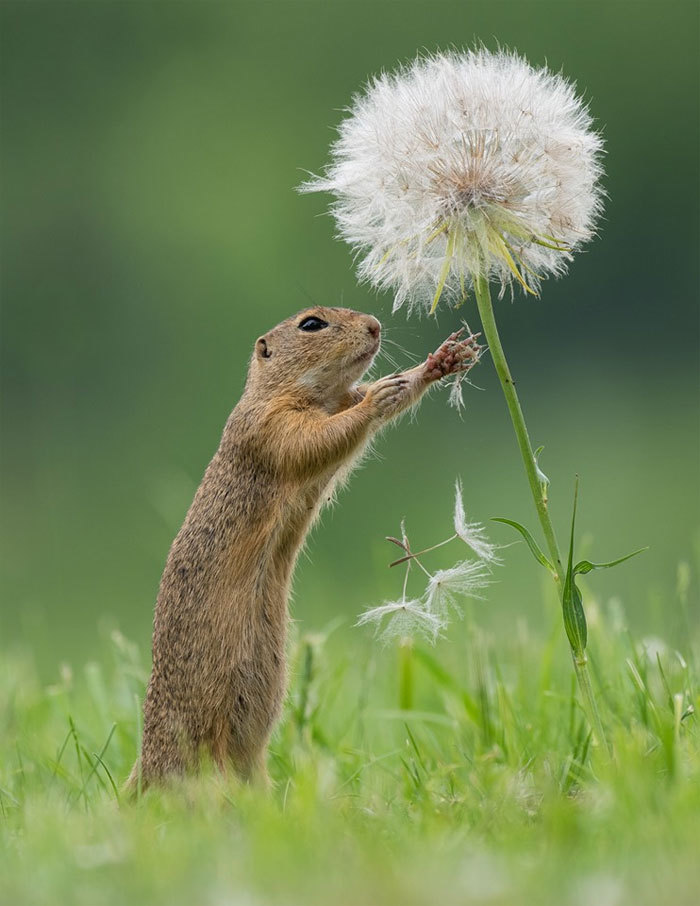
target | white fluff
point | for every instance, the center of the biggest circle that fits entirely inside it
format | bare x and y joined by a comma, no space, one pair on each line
473,533
404,619
446,586
463,165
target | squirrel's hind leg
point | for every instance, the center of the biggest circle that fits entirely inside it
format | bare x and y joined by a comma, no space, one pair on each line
249,762
167,752
253,768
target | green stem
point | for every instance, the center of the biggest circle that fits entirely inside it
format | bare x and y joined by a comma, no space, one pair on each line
483,300
584,682
488,321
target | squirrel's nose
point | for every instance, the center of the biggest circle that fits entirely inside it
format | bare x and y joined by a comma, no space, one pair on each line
374,327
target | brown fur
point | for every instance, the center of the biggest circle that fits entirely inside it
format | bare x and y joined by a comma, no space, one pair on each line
218,677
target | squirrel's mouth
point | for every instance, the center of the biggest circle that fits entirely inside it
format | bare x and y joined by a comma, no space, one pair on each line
369,354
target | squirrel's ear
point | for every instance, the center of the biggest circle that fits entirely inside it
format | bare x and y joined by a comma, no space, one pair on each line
262,349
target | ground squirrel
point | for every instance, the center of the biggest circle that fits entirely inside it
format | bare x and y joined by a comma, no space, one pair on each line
218,677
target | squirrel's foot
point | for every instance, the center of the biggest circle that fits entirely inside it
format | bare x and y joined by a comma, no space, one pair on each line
455,356
389,394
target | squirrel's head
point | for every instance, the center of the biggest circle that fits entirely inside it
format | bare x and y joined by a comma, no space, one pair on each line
321,350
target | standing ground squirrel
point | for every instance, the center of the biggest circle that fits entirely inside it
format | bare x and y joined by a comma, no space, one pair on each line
220,626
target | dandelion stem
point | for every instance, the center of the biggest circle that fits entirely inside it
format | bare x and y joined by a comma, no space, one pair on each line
483,299
426,550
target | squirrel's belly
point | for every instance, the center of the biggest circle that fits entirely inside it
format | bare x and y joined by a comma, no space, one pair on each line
255,699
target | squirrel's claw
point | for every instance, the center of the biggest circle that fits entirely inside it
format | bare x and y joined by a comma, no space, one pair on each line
454,356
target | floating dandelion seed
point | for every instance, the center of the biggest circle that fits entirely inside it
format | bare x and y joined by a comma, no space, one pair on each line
406,618
446,586
428,615
464,166
473,533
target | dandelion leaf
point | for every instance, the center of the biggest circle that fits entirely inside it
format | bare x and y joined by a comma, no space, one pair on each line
531,543
586,566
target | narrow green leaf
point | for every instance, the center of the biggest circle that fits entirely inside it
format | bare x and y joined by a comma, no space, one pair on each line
415,747
585,566
501,249
446,680
572,603
447,263
574,617
115,789
531,543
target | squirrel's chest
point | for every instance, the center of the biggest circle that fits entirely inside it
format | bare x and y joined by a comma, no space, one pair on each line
299,508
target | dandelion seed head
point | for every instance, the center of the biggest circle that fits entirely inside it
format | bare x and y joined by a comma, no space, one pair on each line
473,533
447,586
398,619
464,165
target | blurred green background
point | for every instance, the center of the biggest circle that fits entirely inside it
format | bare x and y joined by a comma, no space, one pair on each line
151,231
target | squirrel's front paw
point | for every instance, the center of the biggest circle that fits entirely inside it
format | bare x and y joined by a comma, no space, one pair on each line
388,395
455,356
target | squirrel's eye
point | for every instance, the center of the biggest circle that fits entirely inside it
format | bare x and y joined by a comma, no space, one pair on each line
312,323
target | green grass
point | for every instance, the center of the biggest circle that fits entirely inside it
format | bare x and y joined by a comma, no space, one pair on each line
487,791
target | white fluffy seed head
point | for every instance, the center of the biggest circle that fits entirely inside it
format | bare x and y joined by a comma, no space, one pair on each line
401,619
464,165
473,534
447,586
